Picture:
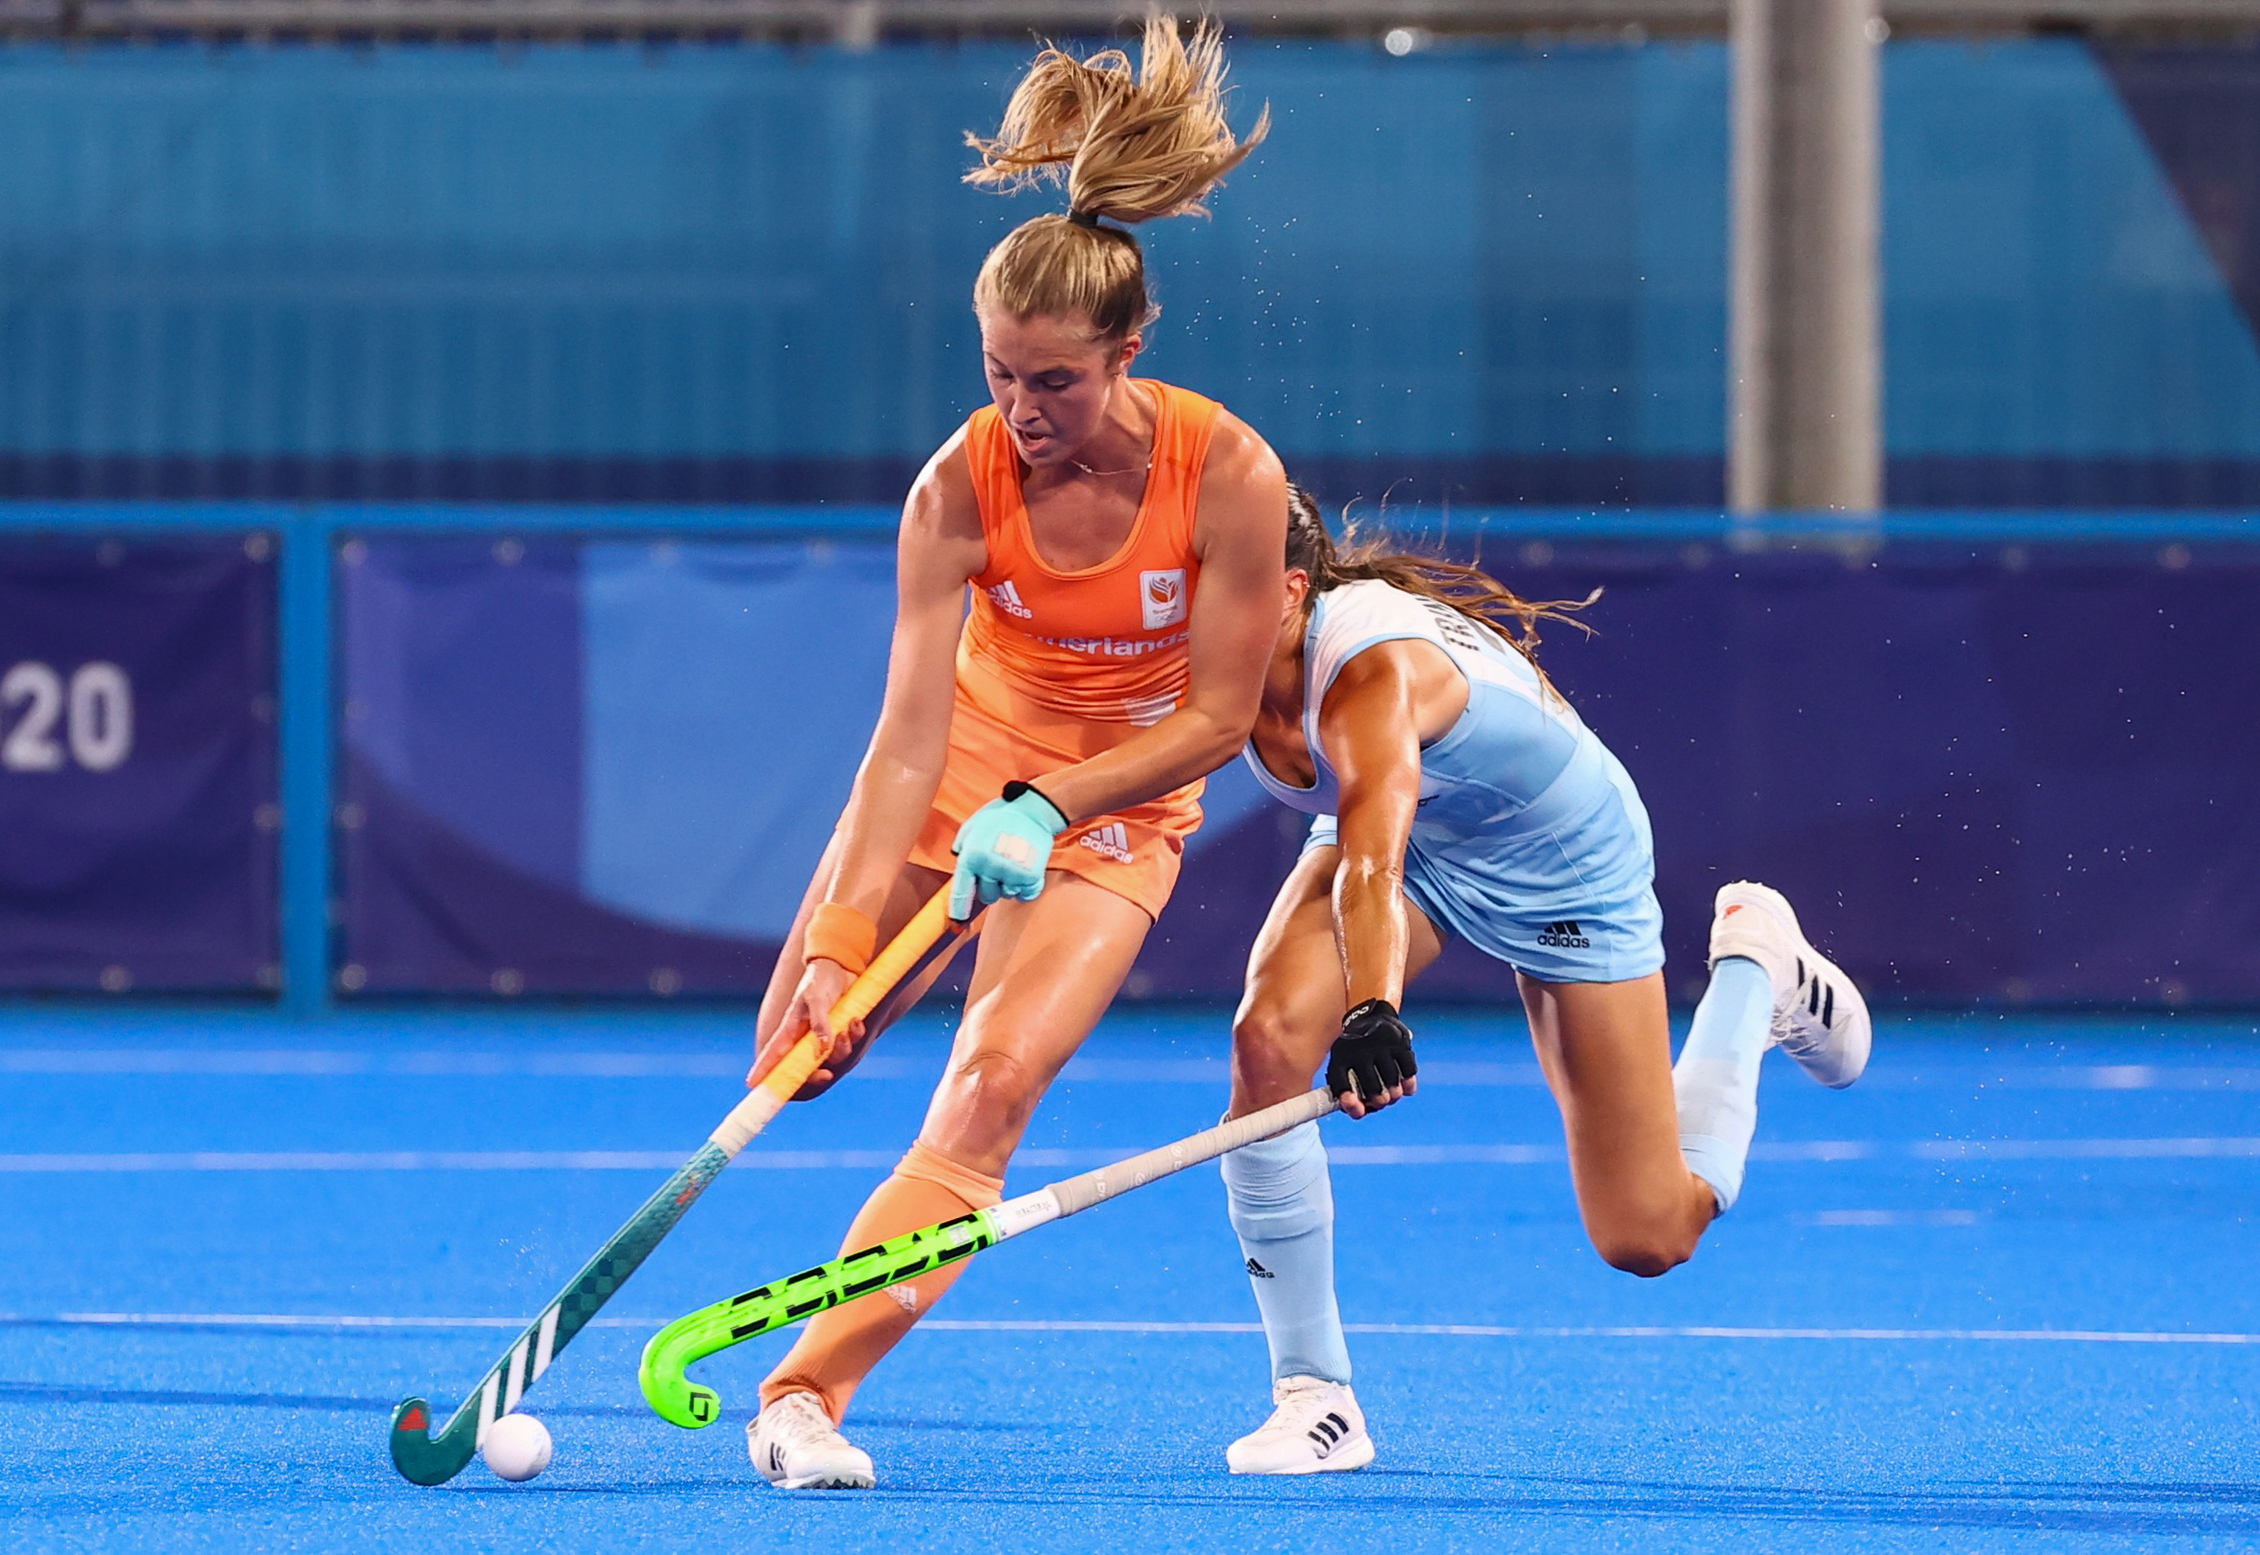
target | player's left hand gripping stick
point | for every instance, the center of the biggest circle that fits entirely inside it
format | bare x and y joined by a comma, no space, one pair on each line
783,1302
433,1460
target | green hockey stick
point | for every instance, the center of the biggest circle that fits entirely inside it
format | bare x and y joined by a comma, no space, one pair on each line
781,1303
434,1460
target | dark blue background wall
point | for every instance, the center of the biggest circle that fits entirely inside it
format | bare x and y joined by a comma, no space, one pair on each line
1479,273
1984,770
138,775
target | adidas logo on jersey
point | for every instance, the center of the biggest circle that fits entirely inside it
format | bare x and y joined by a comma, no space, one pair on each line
1007,599
1564,936
1109,841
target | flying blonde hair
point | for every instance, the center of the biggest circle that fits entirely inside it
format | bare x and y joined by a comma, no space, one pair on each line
1127,147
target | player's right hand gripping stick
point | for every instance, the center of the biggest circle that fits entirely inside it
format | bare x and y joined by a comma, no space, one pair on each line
1373,1054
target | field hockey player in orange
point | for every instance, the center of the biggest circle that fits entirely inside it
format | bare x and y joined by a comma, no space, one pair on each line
1044,752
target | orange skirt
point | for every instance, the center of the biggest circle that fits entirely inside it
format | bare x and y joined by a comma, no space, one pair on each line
999,735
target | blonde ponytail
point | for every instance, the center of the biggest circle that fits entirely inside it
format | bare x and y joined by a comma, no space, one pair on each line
1127,147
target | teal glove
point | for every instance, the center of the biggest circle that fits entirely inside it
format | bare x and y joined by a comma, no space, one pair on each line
1003,849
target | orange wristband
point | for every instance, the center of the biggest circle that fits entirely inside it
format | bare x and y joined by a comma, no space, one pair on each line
839,933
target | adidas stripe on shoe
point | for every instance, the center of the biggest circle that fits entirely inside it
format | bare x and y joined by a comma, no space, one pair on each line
795,1445
1819,1018
1317,1428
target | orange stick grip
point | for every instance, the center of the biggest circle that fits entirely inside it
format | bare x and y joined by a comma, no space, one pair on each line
871,985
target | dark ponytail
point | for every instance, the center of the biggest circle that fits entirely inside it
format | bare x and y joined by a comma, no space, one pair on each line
1471,591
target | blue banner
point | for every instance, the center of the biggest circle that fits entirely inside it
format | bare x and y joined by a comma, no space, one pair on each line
138,808
2007,774
2000,773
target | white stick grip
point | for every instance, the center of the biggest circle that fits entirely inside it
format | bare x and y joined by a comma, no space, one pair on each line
1025,1213
746,1119
1076,1194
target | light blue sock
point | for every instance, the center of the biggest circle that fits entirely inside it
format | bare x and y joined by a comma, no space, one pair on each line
1716,1078
1283,1208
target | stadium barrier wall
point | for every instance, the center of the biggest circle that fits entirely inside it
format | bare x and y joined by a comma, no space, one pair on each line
594,752
138,800
1482,273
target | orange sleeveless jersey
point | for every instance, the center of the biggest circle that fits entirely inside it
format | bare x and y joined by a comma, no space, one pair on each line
1106,642
1055,666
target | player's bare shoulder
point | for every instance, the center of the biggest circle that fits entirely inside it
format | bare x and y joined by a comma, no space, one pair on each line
942,514
1238,455
1243,488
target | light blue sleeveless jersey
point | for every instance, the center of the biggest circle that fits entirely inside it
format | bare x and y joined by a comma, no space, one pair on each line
1530,841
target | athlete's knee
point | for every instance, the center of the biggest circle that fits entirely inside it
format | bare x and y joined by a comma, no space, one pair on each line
1646,1257
993,1090
1271,1053
1644,1235
1644,1249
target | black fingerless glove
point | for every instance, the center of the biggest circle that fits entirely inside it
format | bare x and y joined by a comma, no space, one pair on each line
1373,1053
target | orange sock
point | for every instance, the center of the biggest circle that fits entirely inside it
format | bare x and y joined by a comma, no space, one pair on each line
838,1348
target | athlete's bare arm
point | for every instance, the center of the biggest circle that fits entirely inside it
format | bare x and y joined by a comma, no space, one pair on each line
1383,707
940,547
1240,536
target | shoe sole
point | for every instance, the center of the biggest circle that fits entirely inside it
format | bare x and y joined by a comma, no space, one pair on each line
828,1482
852,1481
1352,1455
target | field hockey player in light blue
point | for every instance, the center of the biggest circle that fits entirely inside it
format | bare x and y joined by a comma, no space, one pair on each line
1455,793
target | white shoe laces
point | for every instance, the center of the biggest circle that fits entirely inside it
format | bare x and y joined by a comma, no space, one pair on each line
801,1423
1297,1400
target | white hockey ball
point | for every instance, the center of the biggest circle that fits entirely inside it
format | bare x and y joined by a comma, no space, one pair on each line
517,1447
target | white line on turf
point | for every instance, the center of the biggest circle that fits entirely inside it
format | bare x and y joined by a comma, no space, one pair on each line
431,1161
1442,1155
335,1061
315,1322
1872,1335
919,1058
1809,1150
2083,1149
1888,1217
607,1065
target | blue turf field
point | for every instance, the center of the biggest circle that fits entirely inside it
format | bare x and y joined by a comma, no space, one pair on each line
2006,1291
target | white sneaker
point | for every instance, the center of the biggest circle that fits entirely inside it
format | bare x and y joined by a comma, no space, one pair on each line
796,1447
1317,1429
1819,1018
